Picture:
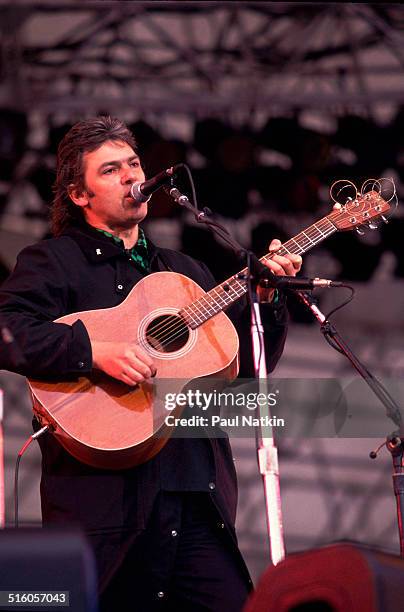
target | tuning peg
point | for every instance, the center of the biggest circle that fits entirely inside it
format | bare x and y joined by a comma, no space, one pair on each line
359,231
372,225
384,219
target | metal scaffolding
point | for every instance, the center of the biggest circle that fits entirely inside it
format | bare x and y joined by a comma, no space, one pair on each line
199,57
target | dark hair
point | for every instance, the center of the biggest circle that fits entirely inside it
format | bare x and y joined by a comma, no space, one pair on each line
84,137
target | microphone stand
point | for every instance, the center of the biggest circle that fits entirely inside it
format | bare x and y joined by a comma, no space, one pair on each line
267,452
395,441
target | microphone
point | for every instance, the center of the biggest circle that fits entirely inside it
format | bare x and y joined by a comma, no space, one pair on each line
141,192
302,283
299,283
269,279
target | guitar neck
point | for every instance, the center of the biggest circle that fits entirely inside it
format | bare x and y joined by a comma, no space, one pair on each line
221,297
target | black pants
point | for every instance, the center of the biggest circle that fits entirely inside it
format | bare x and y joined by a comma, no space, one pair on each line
184,562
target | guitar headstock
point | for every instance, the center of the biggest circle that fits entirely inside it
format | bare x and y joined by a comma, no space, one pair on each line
362,210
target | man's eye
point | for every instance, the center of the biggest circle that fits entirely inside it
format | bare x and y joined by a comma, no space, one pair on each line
134,164
108,170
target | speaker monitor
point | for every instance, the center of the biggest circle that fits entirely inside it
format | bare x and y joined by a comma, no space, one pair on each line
44,561
338,578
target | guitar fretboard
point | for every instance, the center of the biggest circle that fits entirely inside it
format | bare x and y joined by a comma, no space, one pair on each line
221,297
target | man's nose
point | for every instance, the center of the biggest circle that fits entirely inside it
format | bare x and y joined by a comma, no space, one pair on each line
129,174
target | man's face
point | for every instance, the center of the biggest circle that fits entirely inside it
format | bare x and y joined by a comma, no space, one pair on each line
109,172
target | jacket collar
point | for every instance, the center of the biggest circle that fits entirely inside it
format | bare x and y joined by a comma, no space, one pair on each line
98,247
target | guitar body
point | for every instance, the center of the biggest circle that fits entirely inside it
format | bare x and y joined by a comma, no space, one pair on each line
108,424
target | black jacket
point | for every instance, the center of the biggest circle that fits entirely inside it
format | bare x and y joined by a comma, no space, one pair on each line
84,270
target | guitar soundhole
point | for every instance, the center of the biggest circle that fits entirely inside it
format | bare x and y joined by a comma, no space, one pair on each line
167,333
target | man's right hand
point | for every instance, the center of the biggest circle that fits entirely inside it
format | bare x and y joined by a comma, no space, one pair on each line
124,361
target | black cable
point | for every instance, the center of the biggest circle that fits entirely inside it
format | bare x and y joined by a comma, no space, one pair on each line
17,466
34,436
191,182
393,410
331,335
349,299
388,398
333,344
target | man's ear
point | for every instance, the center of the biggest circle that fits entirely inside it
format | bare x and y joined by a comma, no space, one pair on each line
80,198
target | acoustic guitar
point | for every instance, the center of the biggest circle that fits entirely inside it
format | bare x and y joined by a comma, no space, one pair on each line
108,424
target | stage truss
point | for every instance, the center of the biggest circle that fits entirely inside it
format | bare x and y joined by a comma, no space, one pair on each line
199,57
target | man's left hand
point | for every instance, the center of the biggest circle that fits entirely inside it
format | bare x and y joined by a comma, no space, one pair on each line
281,265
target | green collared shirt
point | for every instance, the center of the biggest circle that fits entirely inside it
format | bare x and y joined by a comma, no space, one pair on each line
139,253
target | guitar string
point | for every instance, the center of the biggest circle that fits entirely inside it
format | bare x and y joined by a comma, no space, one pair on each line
182,328
211,302
179,324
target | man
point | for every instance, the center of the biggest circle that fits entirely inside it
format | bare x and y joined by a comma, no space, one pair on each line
163,532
